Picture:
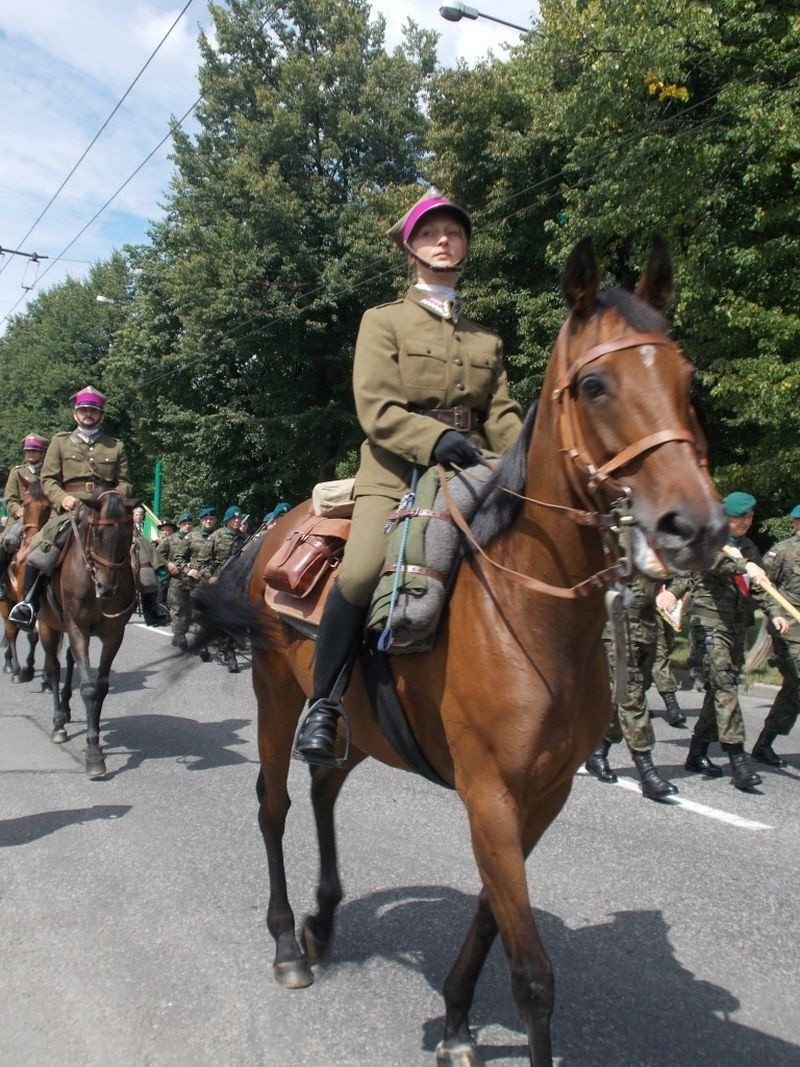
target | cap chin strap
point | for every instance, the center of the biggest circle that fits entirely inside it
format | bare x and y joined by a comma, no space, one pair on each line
435,266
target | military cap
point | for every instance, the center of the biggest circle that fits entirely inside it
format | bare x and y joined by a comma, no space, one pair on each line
204,512
231,513
185,516
737,504
33,440
89,397
403,229
795,512
167,522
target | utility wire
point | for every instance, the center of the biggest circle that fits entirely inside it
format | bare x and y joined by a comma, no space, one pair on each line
93,141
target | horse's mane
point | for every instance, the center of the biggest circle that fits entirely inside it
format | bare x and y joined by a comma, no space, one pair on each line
497,508
35,491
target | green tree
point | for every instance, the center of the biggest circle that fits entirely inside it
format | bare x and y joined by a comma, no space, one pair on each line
236,358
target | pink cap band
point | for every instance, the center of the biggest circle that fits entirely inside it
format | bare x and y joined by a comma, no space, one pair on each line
32,441
89,398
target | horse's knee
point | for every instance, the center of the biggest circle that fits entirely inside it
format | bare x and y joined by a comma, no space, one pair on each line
533,986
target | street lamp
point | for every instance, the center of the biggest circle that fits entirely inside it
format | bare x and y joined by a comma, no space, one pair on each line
107,300
457,12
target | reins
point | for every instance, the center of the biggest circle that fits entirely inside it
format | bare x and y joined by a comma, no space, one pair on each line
90,557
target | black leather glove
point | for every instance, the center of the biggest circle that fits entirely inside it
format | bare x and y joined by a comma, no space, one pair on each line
453,448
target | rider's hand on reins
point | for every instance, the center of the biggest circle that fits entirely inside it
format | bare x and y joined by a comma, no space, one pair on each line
454,449
69,502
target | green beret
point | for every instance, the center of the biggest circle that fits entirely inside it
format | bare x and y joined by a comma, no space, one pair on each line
737,504
231,513
185,516
203,513
795,512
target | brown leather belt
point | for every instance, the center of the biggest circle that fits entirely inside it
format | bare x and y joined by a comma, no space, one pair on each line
460,418
77,485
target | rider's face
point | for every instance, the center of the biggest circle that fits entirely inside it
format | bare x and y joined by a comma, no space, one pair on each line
32,455
88,418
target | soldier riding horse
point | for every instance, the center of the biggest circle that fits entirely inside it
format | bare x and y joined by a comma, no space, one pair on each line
35,512
608,474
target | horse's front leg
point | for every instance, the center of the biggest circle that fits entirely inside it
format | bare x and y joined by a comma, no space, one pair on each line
52,680
326,784
94,689
25,674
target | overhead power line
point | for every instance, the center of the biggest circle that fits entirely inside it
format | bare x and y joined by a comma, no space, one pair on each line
91,144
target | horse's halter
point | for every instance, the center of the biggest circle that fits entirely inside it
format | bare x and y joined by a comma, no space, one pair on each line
90,556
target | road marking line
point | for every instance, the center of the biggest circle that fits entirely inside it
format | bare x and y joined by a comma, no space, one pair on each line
692,805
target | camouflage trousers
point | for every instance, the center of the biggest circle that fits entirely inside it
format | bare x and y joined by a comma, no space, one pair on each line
786,706
722,650
663,678
631,719
179,601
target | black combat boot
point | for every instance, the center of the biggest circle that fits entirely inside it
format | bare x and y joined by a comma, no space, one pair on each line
672,712
341,630
654,787
764,752
597,763
154,614
698,760
23,615
744,777
231,662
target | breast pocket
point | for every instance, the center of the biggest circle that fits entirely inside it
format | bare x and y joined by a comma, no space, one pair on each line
423,370
481,371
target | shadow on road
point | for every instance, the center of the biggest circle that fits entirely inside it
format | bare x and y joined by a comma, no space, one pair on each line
622,997
28,828
199,745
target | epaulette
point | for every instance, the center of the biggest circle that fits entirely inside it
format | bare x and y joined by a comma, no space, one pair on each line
388,304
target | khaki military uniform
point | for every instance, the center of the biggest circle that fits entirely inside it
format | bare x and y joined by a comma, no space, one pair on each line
782,564
416,353
177,549
722,613
73,467
219,547
19,478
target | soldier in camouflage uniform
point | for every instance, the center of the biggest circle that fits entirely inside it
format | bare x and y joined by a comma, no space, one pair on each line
175,550
19,479
199,553
663,678
223,543
782,564
77,462
722,612
631,718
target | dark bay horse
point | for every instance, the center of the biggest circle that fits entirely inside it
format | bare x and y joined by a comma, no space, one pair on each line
608,474
93,595
35,513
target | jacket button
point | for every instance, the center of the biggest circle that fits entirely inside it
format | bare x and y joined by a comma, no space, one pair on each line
458,362
460,385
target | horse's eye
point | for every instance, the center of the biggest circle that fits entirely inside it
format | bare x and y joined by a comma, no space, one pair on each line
592,387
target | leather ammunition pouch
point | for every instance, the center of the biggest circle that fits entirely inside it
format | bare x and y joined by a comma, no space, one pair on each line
307,556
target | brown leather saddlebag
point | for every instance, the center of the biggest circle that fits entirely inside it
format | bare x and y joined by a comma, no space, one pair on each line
307,556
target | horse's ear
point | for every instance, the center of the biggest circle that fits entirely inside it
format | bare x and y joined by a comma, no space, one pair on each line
581,277
132,502
655,284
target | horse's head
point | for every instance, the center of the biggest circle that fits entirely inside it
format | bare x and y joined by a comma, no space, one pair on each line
35,507
621,389
108,537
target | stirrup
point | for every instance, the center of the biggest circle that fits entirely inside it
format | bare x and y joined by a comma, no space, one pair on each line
28,619
324,707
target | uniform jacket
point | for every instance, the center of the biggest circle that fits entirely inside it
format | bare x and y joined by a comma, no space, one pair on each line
19,478
409,356
716,597
222,543
70,457
782,564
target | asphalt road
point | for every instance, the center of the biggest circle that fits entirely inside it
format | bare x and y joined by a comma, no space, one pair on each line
132,908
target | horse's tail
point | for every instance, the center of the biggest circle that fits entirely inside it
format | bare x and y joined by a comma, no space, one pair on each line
225,607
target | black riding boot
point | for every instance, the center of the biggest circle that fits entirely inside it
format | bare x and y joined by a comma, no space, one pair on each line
154,614
4,558
698,760
672,712
764,752
23,615
597,763
654,787
744,777
340,633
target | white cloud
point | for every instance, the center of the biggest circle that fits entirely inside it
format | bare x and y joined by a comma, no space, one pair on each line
64,68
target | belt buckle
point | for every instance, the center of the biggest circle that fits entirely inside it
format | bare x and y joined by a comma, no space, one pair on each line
89,487
462,418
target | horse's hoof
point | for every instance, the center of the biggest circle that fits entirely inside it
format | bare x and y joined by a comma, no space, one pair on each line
293,974
95,765
23,676
315,948
6,668
58,737
458,1054
46,688
14,677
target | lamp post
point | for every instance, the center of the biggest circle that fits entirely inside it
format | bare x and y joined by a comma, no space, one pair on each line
457,12
107,300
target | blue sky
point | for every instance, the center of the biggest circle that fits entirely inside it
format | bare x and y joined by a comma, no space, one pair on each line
64,67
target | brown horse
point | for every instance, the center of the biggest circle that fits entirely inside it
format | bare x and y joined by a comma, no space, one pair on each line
92,594
609,473
35,513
